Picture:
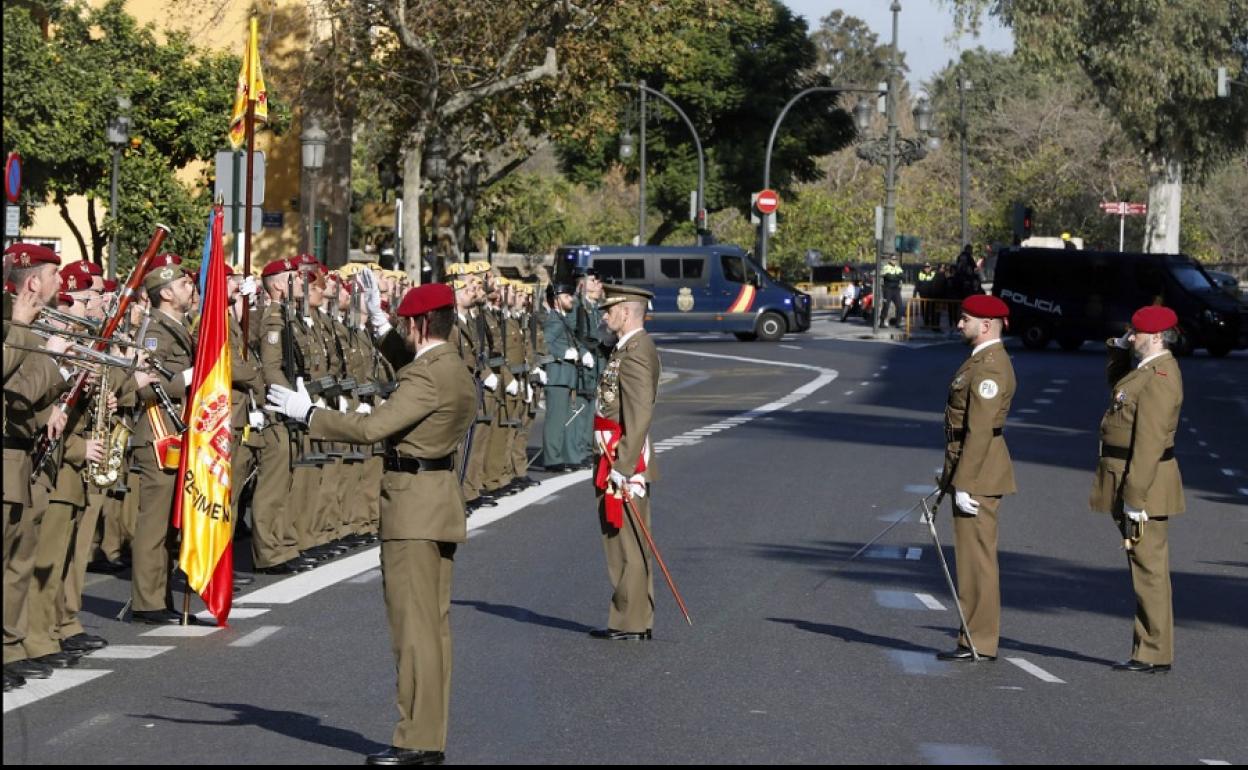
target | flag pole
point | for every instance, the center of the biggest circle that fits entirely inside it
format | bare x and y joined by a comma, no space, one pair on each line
252,45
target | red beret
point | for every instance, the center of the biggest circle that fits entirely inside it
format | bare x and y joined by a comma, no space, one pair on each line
278,266
64,299
422,299
229,271
110,284
76,276
1154,319
93,269
985,306
306,262
164,260
30,254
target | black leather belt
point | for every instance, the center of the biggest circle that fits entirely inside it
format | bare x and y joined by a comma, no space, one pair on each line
417,464
23,444
1123,453
960,434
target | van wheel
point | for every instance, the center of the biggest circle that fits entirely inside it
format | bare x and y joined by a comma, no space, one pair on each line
1035,336
1069,342
745,336
771,327
1219,349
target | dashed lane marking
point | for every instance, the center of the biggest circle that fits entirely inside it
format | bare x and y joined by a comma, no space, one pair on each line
256,637
367,577
791,347
1214,762
236,613
1052,390
1243,491
1036,671
38,689
920,663
849,392
1028,411
899,600
1042,400
958,754
1214,456
130,651
918,489
1229,472
931,602
1202,443
914,554
183,631
1060,382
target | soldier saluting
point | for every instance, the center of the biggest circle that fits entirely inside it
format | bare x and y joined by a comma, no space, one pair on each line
1137,477
422,510
978,470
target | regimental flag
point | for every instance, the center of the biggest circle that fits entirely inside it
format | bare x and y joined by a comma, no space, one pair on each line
250,89
202,502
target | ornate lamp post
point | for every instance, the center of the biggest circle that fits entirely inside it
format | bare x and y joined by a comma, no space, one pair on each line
313,141
118,138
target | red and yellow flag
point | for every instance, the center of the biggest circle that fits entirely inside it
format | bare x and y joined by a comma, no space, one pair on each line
250,89
202,503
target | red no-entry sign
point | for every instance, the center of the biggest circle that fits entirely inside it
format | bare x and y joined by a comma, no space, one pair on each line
767,202
13,177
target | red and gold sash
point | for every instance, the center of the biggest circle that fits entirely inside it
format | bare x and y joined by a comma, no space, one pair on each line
609,433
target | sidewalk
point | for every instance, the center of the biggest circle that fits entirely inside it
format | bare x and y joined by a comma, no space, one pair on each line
827,325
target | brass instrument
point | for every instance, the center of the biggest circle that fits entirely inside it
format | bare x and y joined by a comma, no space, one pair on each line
52,314
104,475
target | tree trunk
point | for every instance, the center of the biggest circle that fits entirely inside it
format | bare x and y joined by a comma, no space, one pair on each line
410,261
63,207
665,228
1165,199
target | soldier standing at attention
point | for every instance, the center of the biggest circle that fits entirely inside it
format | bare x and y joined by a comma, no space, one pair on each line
626,396
978,469
1137,477
422,510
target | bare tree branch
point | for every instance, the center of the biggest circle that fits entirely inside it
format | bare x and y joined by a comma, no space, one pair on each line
466,99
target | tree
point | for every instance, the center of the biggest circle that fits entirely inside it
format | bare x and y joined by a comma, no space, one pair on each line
1151,63
60,91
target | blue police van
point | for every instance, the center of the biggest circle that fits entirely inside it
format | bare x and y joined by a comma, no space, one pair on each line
717,288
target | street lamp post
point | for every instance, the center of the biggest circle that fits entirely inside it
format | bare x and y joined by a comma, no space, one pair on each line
434,169
964,186
313,140
700,220
891,153
118,138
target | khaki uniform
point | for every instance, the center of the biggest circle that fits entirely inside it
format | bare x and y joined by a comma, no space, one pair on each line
170,341
422,520
464,341
498,448
977,461
1137,467
246,388
626,395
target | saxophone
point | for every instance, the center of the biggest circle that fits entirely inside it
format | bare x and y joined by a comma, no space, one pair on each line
115,439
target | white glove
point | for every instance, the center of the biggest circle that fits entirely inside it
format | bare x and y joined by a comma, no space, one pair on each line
528,393
569,354
307,320
513,388
255,418
343,404
248,287
601,439
966,503
618,479
541,376
295,404
320,403
1123,342
187,374
1138,515
372,301
587,360
490,382
637,485
364,409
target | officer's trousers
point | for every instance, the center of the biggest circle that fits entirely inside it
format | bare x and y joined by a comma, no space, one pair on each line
979,582
628,568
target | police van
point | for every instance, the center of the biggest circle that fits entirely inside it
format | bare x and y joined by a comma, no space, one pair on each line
1074,295
716,288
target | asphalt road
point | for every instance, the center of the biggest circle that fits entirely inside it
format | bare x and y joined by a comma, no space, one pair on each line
771,476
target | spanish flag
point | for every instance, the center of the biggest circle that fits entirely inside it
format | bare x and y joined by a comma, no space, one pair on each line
201,505
250,89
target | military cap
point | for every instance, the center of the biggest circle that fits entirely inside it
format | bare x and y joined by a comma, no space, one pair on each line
456,268
277,267
63,299
161,276
76,277
307,262
618,294
350,269
458,283
1154,319
110,284
562,288
985,306
422,299
164,260
30,254
479,266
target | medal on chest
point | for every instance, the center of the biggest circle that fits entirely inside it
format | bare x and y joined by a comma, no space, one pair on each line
609,385
1119,401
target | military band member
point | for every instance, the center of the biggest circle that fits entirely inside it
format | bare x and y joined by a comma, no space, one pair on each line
422,513
1137,478
978,470
626,398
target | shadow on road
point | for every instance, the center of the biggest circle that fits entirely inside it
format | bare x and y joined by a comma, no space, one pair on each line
522,615
846,634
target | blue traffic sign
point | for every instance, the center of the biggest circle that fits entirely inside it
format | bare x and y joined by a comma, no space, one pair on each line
13,177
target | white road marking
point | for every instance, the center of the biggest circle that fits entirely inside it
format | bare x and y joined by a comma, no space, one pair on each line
877,374
791,347
864,384
130,651
371,575
958,754
1229,472
931,602
1042,400
1191,430
825,401
256,637
1060,382
38,689
1036,671
1028,411
918,489
849,392
236,613
914,554
304,584
1214,456
1214,762
1052,390
899,600
183,631
1243,490
1202,443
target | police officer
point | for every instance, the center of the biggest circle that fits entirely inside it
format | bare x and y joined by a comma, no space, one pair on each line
978,470
1137,478
422,514
890,288
626,396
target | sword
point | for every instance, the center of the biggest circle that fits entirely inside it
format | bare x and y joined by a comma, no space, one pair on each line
929,517
890,527
579,409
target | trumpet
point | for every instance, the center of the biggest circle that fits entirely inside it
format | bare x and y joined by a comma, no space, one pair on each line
52,314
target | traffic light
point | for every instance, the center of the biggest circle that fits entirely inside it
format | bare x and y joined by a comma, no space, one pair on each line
1028,218
1024,218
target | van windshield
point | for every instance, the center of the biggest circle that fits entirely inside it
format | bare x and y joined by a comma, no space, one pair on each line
1190,277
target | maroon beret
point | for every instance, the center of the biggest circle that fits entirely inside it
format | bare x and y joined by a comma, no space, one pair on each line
110,284
985,306
164,260
76,276
30,254
1154,319
277,267
422,299
93,269
64,300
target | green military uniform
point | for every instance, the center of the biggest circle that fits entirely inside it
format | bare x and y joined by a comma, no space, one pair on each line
627,394
422,520
590,336
1137,468
169,340
560,443
977,461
